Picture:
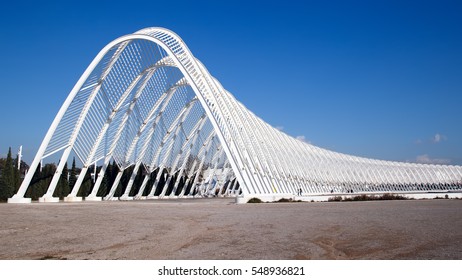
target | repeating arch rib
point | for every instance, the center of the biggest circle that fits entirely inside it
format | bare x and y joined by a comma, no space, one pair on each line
146,101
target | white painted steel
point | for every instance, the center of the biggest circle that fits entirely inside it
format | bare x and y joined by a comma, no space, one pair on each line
136,104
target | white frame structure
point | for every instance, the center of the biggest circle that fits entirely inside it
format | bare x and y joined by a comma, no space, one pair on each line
146,101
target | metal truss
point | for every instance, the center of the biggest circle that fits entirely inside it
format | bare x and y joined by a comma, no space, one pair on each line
145,101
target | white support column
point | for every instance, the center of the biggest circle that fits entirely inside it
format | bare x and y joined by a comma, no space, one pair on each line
72,197
143,186
186,184
93,195
110,196
48,196
177,182
214,161
78,183
196,178
156,182
167,183
232,191
126,194
180,174
221,182
237,188
212,173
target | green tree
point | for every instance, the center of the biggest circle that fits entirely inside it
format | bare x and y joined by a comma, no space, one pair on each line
87,183
72,176
110,175
138,181
47,175
17,174
35,188
62,190
161,183
7,185
102,191
119,188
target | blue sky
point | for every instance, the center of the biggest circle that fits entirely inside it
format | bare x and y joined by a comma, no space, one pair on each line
380,79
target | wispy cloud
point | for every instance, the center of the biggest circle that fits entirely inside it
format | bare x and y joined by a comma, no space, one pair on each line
438,138
303,139
279,127
427,159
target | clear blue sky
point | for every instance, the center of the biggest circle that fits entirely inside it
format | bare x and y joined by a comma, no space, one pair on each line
381,79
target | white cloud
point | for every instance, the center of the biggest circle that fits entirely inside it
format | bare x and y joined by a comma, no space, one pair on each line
426,159
303,139
438,138
279,127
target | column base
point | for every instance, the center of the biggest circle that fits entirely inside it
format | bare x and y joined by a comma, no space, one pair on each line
73,199
241,199
126,198
49,199
152,197
93,198
19,200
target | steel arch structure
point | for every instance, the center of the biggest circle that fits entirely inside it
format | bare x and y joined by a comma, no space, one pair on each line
146,102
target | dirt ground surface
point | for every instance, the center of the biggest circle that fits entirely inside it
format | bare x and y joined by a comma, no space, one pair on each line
220,229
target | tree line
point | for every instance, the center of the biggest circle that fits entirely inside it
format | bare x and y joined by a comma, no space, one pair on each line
11,178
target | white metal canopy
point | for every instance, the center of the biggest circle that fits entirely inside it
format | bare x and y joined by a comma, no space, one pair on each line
145,101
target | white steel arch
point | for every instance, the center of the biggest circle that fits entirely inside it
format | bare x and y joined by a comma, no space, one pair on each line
145,101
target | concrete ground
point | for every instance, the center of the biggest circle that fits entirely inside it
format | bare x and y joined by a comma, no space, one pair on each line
220,229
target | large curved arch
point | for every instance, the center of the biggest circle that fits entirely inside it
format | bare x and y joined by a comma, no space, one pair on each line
146,101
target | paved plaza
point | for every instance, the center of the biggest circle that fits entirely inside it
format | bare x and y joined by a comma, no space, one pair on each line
220,229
